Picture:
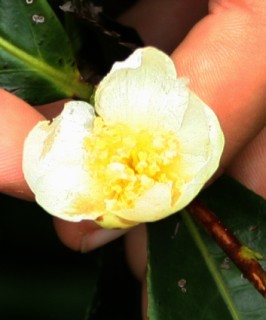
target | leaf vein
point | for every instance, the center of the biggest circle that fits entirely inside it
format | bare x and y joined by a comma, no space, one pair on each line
211,265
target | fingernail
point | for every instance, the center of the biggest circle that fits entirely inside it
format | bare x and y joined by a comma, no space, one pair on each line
98,238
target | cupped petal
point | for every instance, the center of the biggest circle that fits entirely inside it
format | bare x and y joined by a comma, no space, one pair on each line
53,159
58,190
143,92
204,140
201,137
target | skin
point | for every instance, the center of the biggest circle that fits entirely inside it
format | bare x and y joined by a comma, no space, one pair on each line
220,46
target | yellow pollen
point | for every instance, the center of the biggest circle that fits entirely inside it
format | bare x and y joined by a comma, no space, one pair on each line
124,163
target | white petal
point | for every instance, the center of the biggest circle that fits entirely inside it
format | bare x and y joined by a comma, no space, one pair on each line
143,92
194,131
206,140
53,158
200,134
58,190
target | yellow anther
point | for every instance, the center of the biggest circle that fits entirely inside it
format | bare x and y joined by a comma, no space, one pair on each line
129,162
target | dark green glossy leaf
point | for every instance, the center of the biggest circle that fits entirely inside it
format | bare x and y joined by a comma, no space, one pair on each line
36,58
103,40
189,275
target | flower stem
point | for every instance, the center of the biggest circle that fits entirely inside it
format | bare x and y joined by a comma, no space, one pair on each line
242,256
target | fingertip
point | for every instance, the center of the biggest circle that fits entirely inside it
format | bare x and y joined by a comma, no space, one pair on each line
136,250
51,110
72,233
84,236
249,166
17,119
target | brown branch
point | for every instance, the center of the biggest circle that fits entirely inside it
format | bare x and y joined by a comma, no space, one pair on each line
242,256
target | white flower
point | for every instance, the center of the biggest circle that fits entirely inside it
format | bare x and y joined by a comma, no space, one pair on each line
146,154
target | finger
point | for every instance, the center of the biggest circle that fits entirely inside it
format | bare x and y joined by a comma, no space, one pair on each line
51,110
249,166
168,21
224,58
17,119
136,244
84,236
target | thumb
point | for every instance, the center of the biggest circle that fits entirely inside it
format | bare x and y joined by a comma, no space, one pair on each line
224,58
16,120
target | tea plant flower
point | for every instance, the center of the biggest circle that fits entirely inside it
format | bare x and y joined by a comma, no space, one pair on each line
143,153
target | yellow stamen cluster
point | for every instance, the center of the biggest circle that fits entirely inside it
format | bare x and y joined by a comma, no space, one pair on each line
126,162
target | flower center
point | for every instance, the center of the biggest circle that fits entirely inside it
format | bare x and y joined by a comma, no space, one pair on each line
124,163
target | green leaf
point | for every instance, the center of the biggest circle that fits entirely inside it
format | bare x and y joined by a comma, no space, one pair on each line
36,58
189,276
